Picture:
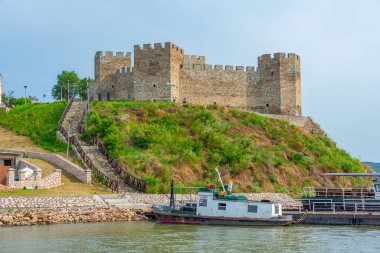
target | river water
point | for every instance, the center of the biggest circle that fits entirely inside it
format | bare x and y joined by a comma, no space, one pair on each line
152,237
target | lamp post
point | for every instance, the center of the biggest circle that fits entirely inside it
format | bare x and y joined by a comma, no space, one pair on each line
43,98
25,86
68,91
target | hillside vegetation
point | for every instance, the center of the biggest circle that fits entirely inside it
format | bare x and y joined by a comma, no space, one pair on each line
36,121
159,141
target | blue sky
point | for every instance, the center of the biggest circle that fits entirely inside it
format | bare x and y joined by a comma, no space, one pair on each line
338,41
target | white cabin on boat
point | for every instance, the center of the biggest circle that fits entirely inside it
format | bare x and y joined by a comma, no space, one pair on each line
208,205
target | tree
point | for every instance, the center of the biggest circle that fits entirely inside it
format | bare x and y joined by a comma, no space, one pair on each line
81,87
78,86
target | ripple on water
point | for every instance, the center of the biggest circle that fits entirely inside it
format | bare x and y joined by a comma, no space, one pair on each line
152,237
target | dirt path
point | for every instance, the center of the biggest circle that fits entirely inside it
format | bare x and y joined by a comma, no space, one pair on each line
10,140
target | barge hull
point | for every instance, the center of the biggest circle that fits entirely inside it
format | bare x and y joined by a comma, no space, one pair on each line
203,220
338,219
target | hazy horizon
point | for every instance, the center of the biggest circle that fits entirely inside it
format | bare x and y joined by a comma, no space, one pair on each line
338,42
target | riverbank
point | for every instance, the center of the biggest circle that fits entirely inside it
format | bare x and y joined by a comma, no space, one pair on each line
28,211
36,217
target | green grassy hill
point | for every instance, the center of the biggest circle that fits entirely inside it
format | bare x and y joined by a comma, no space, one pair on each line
159,140
36,121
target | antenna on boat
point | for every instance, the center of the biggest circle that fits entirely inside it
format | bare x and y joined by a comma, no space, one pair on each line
220,179
172,196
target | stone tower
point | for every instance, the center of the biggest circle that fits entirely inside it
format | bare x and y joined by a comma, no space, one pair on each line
280,84
105,69
156,71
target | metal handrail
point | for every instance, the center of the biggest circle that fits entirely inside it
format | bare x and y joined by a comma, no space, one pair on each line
113,184
128,178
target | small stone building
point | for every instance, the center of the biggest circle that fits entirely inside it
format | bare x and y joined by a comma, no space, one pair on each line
18,173
165,73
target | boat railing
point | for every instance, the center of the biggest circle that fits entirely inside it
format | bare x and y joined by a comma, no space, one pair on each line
358,193
328,205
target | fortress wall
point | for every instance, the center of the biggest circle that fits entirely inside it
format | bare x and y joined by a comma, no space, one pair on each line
163,73
204,84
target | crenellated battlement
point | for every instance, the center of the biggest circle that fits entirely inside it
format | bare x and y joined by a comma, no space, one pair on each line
157,47
194,59
111,54
217,67
278,56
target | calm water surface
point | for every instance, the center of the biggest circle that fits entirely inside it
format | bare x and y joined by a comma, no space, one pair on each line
152,237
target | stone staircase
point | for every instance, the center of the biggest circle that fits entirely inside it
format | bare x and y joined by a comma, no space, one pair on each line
124,201
100,162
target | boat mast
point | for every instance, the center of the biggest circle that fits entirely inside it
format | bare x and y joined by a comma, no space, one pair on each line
220,179
172,196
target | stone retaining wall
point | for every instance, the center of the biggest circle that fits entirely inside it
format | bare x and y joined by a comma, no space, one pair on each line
71,168
28,218
52,203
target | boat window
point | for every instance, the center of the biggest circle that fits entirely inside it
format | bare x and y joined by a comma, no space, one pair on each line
203,202
276,209
222,206
252,209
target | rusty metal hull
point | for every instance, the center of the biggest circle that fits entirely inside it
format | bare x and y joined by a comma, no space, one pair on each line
174,218
339,218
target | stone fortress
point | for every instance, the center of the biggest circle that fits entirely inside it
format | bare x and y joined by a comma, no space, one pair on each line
165,73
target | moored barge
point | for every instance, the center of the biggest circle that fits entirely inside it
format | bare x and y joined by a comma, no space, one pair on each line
221,207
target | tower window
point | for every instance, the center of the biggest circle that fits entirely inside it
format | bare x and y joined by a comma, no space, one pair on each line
154,85
267,105
271,73
113,86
